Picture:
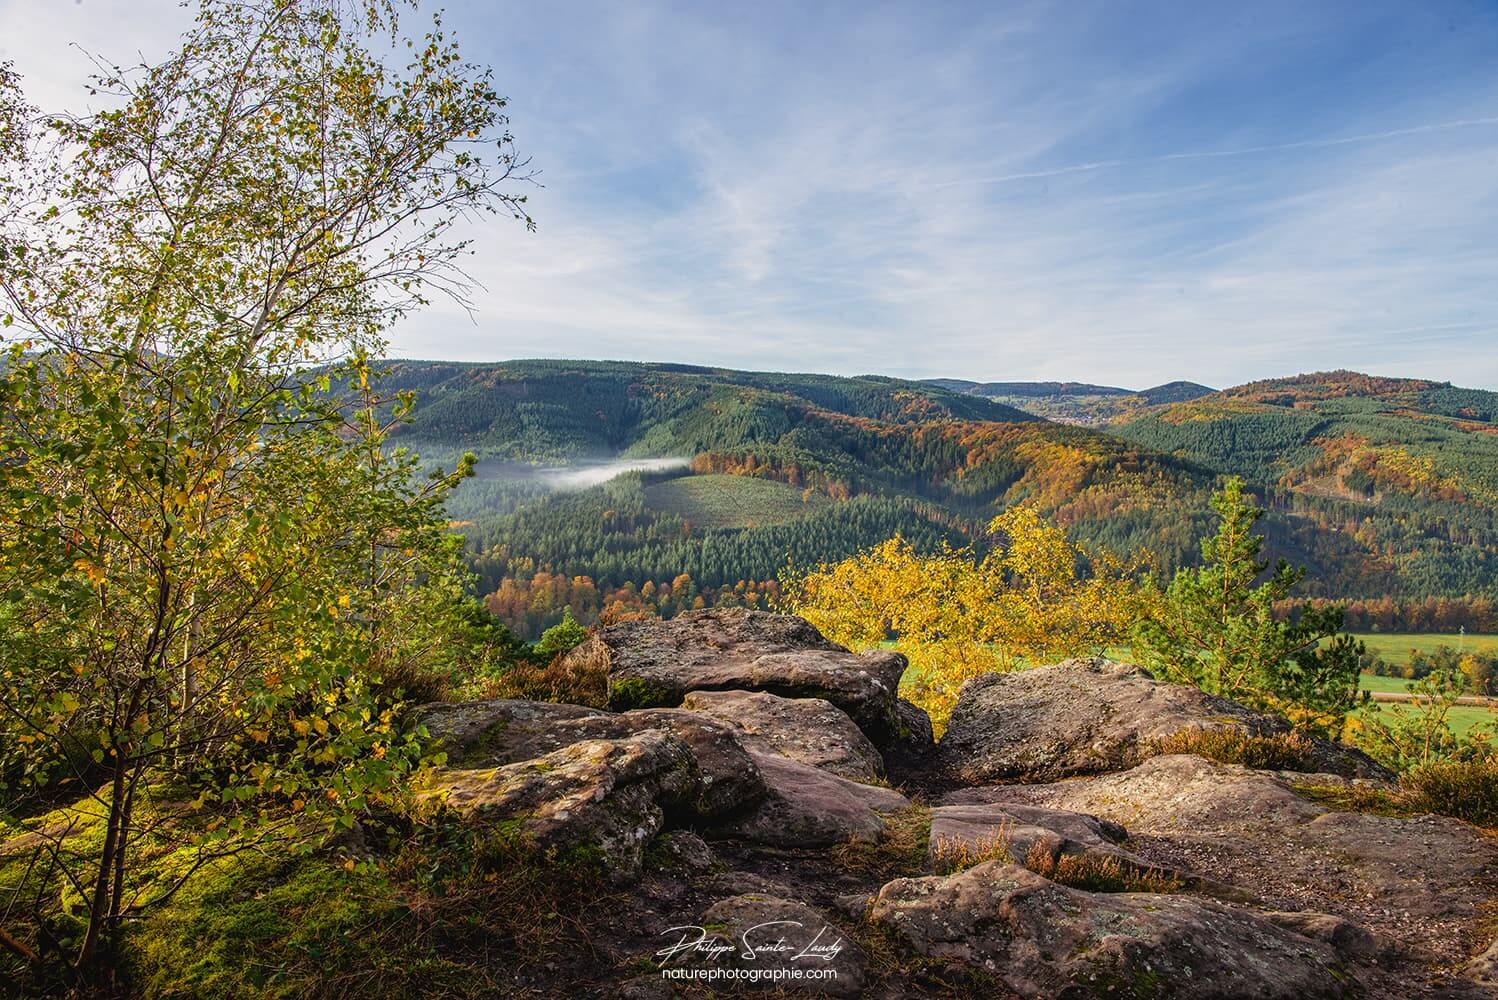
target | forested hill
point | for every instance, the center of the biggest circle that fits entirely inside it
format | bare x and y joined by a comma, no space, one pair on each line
1343,435
1382,488
1406,469
569,409
782,469
1077,402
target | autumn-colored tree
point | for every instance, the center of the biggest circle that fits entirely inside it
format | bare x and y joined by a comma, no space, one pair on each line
214,573
956,615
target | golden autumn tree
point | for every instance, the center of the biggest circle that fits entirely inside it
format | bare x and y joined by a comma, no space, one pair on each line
956,615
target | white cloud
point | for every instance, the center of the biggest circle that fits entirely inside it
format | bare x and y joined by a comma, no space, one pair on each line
1035,192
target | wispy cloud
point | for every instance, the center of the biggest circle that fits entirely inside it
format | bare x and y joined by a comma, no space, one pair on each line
1028,191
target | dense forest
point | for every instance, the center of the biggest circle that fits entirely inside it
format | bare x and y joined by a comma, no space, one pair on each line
1384,488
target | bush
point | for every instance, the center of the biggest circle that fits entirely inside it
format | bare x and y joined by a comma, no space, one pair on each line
1280,752
562,637
1465,789
562,680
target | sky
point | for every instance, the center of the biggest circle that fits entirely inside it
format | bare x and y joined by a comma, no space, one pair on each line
1112,191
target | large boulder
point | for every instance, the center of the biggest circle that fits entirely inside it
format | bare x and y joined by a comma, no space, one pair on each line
914,738
655,664
1046,940
504,731
811,730
596,799
1420,880
1484,968
1093,715
792,946
808,807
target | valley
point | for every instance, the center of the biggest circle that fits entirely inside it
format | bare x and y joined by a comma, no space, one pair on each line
1386,489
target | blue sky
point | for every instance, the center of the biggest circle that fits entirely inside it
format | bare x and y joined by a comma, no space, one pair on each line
1114,192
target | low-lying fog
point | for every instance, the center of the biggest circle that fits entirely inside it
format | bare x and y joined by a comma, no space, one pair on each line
573,477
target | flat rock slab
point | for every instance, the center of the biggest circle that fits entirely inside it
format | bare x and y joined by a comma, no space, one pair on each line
811,730
790,945
505,731
1090,716
606,798
656,663
1424,881
1046,940
808,807
462,727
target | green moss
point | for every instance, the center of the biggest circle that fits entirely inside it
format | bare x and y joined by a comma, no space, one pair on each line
1356,798
286,927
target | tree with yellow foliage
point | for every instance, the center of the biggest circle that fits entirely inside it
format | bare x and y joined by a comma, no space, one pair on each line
956,615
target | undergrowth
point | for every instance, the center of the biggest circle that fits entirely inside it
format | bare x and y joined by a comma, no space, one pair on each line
1462,789
1282,752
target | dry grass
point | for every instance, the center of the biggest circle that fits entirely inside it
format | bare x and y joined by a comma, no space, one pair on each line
952,854
574,681
1282,752
899,851
1098,872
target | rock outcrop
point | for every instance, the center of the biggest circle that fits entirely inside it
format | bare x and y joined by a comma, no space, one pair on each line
597,797
502,731
807,806
1089,716
1041,939
1421,879
810,730
656,663
737,790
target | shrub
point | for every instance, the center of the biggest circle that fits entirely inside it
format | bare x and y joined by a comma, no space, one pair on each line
1280,752
1465,789
562,637
562,680
1402,737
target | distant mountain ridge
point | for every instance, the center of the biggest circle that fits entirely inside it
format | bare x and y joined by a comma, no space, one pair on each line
1080,403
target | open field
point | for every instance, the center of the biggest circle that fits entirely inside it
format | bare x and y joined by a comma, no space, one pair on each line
719,501
1395,646
1461,718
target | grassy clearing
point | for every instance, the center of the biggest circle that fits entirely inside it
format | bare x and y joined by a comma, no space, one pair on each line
1395,647
719,501
444,909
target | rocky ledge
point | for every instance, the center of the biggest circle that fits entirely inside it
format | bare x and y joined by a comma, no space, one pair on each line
762,803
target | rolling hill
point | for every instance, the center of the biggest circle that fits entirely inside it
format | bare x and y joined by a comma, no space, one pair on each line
1406,470
1384,488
